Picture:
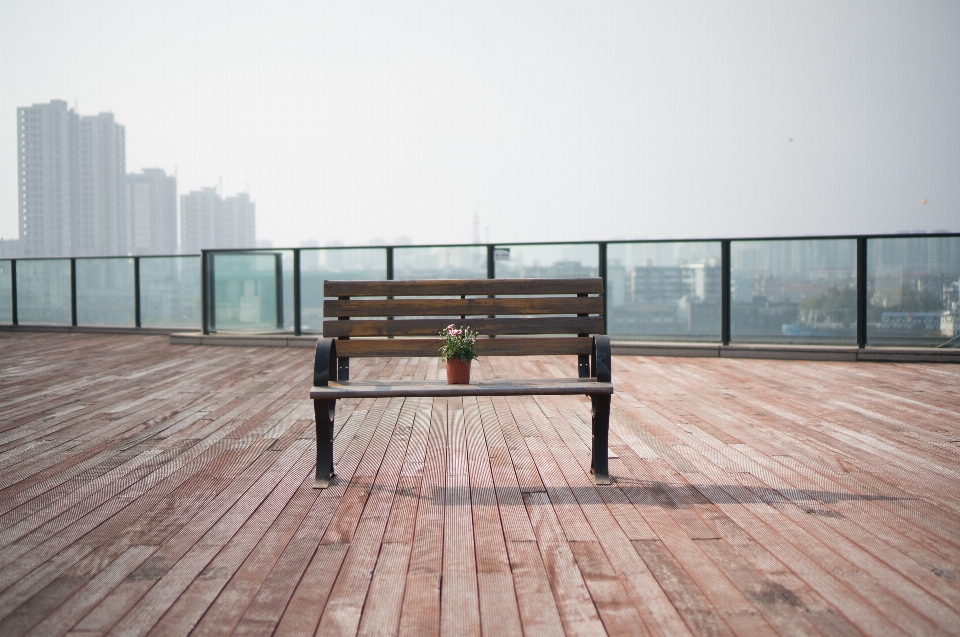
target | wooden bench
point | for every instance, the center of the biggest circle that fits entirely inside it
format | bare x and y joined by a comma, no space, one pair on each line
515,317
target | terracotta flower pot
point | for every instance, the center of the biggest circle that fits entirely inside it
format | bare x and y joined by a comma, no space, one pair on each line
458,372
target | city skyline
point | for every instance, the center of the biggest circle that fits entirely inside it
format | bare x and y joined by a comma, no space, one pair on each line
76,199
354,122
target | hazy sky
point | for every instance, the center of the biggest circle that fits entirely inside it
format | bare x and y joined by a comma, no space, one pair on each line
353,121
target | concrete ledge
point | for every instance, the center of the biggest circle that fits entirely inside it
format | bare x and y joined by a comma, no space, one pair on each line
646,348
789,352
714,350
909,355
91,329
242,340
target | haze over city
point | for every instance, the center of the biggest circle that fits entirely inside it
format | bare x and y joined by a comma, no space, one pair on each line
359,122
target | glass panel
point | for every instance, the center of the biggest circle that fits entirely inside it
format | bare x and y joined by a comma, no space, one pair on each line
105,291
794,291
43,291
559,261
664,291
170,293
248,291
912,289
6,291
458,262
317,265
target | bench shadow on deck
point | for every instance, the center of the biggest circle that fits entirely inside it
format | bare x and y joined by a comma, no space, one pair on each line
149,488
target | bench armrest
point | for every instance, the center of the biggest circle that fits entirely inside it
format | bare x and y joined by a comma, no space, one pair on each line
600,359
325,362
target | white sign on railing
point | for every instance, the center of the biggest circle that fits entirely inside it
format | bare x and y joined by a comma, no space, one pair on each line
501,254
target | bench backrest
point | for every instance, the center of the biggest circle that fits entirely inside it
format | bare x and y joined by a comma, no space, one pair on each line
404,318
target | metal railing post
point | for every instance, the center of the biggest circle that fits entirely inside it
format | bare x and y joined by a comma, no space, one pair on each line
278,286
73,291
389,250
204,293
602,271
297,322
13,292
725,291
491,266
861,292
136,291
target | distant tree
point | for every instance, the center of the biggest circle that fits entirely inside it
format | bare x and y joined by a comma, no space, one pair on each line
912,299
836,305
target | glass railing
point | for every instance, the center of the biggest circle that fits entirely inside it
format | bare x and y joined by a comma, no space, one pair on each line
320,264
537,261
666,291
105,292
170,292
441,262
900,290
797,291
247,292
6,291
913,284
44,293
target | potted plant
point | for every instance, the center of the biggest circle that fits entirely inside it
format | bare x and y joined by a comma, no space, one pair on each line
459,348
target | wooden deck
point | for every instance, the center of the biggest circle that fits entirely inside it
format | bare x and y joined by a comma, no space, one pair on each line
148,488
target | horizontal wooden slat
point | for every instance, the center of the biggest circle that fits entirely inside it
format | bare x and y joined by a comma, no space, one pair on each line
469,287
485,346
484,326
518,387
463,307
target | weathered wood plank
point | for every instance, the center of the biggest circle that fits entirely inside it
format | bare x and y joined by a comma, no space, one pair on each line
512,346
469,287
481,325
455,308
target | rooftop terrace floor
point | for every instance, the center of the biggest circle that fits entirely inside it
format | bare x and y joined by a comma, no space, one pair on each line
149,488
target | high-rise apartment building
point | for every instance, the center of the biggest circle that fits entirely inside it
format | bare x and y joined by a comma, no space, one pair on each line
198,214
47,142
207,221
72,174
237,226
99,224
152,212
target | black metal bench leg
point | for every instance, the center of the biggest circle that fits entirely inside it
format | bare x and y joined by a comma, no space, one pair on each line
601,428
324,411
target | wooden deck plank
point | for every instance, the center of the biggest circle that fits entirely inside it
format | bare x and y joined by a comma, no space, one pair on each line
420,613
149,488
499,613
